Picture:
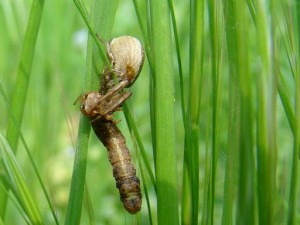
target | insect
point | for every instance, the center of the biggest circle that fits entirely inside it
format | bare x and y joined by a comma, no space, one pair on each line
126,56
101,106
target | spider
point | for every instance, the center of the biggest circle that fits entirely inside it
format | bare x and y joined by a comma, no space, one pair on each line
102,106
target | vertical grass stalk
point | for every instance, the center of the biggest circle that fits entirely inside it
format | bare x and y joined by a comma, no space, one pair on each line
102,17
165,167
246,194
190,201
266,116
215,36
292,211
233,114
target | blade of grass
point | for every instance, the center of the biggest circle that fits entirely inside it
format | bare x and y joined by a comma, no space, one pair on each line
131,126
231,172
17,179
282,85
29,156
286,101
246,185
24,70
84,14
165,166
147,42
182,93
23,77
215,37
4,184
146,193
102,17
292,211
146,39
266,116
191,154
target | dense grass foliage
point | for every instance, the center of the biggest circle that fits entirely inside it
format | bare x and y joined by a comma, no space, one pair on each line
213,124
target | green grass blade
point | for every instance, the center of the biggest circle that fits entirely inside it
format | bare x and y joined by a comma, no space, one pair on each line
191,154
139,10
294,192
23,77
30,157
286,101
231,172
132,126
165,164
84,14
17,179
266,116
101,19
146,193
215,37
24,70
246,194
179,63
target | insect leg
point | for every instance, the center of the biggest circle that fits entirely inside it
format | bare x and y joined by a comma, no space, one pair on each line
115,89
117,102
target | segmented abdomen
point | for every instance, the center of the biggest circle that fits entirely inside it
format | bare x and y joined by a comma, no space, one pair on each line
120,159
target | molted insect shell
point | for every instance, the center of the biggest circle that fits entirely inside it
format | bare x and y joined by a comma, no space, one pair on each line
126,55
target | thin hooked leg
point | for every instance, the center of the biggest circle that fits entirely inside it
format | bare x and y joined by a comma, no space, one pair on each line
118,102
114,90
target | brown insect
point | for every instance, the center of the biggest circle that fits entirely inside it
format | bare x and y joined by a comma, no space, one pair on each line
126,55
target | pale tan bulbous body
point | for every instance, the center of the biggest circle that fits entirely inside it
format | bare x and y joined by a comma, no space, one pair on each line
126,54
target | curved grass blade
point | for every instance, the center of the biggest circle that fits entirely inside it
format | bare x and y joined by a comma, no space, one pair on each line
30,157
17,178
23,77
6,185
24,70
